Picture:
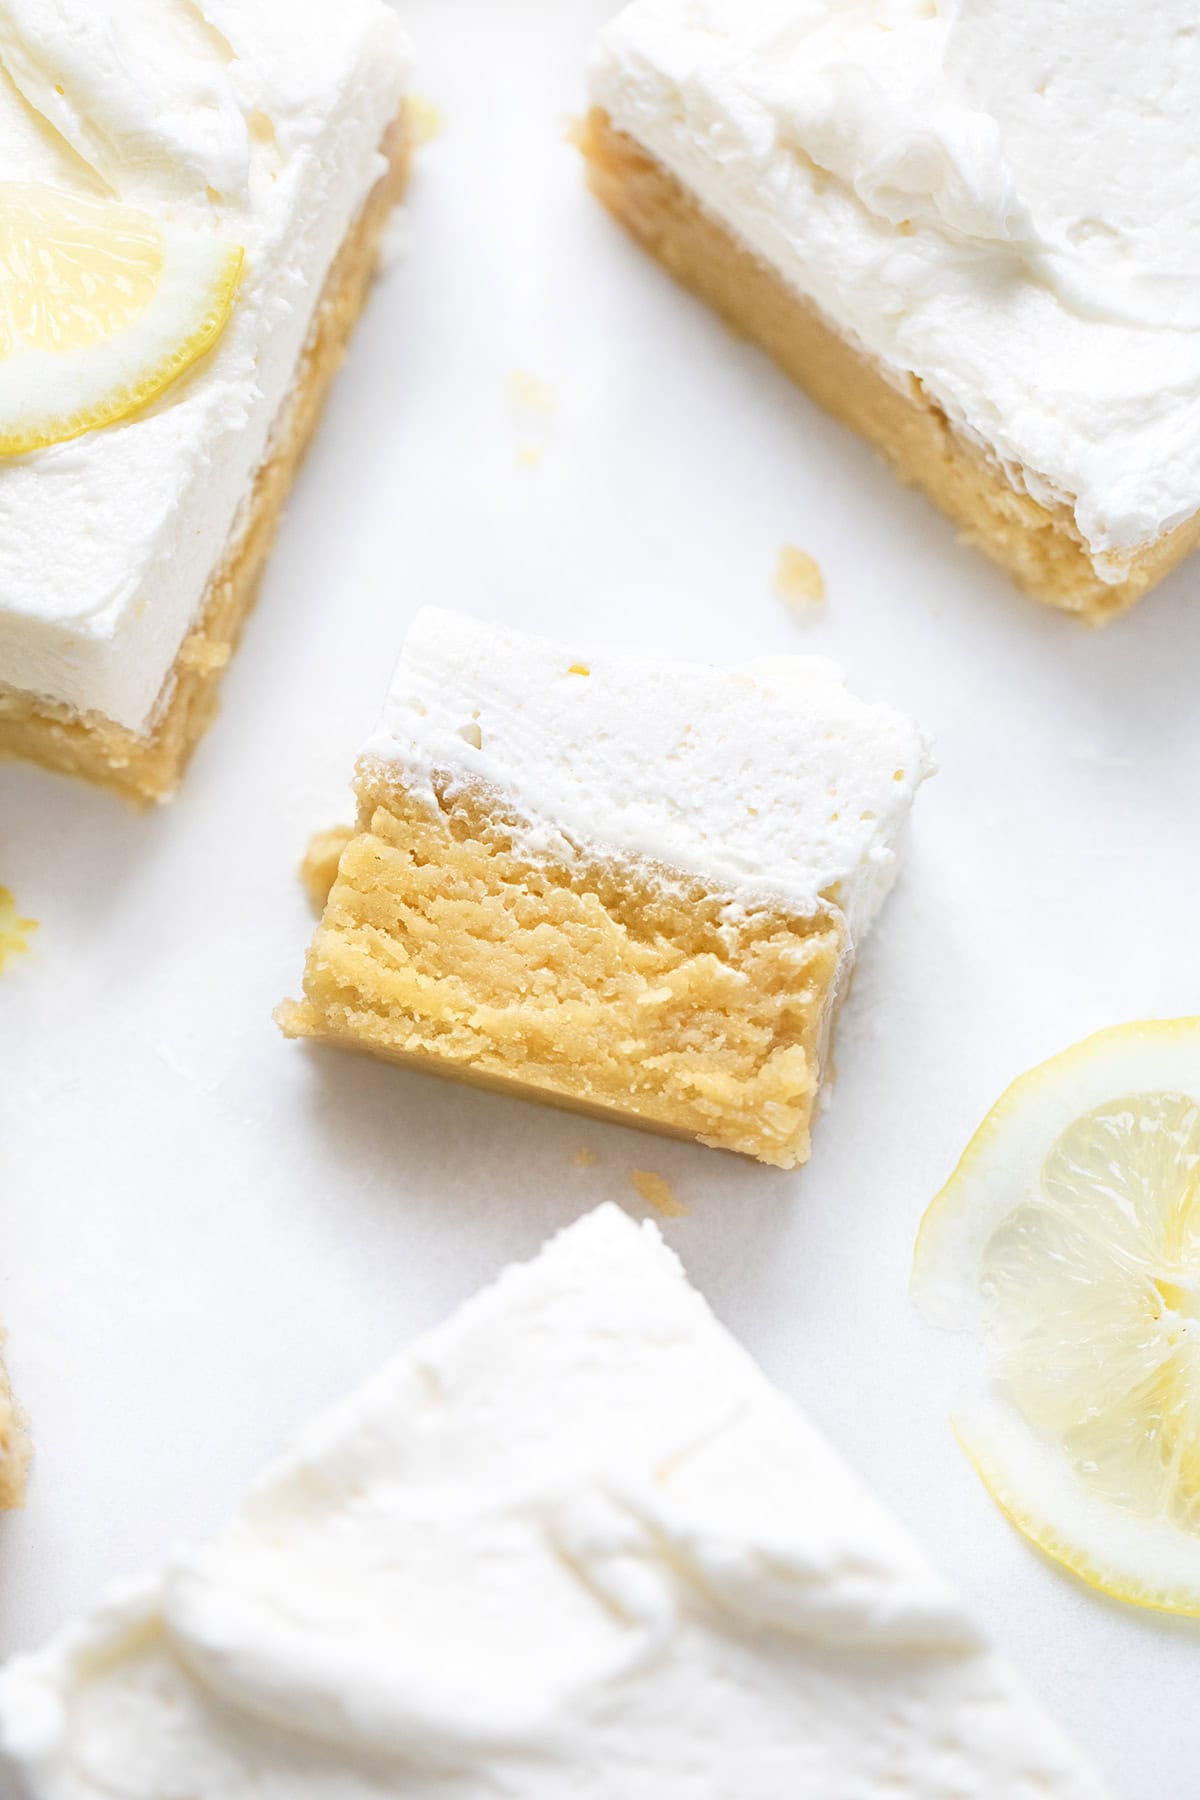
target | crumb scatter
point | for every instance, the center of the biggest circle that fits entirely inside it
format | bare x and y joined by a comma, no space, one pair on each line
531,402
14,930
799,582
15,1446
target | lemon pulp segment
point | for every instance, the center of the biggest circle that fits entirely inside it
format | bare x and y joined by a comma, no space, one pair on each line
1092,1298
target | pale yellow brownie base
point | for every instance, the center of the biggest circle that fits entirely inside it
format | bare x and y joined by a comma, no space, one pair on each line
319,869
613,988
1040,547
15,1448
146,768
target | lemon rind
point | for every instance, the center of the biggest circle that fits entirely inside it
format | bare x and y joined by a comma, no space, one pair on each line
1112,1550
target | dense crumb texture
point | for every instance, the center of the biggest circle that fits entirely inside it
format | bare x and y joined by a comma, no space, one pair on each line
1039,546
144,768
610,986
318,871
15,1447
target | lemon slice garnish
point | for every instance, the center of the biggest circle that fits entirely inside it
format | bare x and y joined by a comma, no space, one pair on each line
102,306
1068,1241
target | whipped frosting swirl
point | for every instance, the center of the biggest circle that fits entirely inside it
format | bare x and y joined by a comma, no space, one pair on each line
931,174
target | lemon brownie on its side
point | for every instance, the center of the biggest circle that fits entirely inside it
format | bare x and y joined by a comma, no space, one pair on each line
194,196
14,1444
573,1542
910,208
629,886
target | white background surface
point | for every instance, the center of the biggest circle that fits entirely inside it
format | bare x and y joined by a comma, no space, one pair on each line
206,1233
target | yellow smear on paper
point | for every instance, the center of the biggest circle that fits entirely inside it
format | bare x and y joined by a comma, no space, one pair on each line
658,1193
530,394
585,1158
531,401
14,930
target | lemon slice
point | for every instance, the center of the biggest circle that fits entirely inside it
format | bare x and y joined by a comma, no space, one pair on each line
1068,1241
102,306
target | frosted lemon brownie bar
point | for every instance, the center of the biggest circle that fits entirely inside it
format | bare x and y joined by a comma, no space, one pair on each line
193,197
14,1444
967,227
616,883
571,1543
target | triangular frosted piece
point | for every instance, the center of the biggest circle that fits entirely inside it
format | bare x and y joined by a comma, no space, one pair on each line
572,1543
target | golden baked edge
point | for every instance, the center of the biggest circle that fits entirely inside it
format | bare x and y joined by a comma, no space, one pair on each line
144,768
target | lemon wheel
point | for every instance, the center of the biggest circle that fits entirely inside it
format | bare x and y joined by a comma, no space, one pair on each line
102,307
1068,1242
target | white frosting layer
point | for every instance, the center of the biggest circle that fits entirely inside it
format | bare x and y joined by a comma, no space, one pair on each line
571,1544
935,176
769,778
266,120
